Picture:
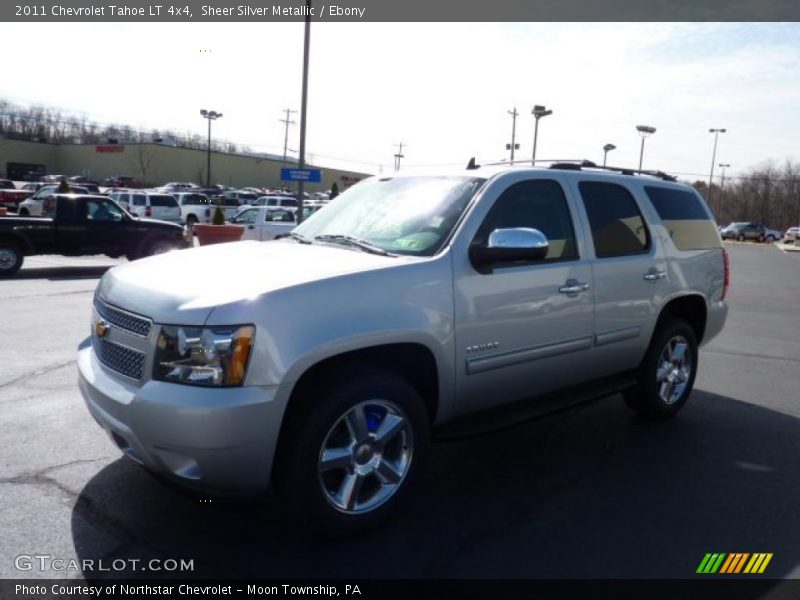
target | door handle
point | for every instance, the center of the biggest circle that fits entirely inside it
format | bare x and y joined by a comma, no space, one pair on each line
251,226
573,286
654,275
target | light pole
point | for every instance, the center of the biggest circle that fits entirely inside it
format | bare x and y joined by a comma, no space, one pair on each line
716,133
644,131
303,106
210,115
606,149
722,166
538,112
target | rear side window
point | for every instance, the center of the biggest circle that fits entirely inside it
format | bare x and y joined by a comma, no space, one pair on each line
538,204
684,216
163,201
138,200
289,202
617,225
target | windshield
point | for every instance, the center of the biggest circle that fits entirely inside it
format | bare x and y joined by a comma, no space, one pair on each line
403,215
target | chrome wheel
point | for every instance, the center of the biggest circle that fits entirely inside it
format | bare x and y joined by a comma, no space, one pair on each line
8,259
365,456
674,369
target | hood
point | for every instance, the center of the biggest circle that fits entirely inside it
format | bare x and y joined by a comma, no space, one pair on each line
184,286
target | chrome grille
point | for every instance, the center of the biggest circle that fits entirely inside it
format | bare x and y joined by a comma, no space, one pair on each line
128,322
119,358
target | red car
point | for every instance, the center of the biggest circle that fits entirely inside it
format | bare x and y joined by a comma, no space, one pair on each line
10,196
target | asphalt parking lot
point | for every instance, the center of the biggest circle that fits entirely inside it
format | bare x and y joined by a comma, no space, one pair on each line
591,493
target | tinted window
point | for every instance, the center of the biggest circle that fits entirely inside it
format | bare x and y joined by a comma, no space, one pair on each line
684,216
538,204
138,200
288,202
163,201
617,225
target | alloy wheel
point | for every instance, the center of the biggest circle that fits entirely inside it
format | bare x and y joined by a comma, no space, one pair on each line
365,456
674,369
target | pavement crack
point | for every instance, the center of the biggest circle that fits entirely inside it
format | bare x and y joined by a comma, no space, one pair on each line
36,373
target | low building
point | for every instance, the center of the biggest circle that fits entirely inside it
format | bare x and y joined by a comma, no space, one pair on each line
155,163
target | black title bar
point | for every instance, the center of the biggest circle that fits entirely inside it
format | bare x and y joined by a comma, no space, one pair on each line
400,10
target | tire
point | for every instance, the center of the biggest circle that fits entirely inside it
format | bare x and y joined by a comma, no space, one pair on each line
666,375
158,246
23,212
770,239
740,238
190,222
761,238
11,258
363,479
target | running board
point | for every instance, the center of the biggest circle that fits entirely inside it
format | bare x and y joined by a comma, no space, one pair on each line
495,419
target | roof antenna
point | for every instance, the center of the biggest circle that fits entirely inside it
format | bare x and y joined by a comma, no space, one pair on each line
471,166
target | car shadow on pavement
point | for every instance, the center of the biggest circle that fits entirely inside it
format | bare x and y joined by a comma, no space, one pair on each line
62,273
591,493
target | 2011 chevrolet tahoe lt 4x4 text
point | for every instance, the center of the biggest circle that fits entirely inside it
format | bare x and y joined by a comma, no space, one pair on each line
323,363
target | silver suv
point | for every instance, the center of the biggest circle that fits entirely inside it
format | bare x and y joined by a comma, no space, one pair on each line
411,306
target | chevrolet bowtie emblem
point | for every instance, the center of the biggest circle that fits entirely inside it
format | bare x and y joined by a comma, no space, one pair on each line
101,328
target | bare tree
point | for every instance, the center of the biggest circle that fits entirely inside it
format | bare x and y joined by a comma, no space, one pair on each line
141,160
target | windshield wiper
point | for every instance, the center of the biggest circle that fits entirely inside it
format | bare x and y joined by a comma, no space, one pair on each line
299,238
349,240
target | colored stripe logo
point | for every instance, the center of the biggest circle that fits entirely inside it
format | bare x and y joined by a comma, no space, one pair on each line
734,563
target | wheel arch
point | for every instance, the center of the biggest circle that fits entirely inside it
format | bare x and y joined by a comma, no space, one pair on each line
19,240
688,307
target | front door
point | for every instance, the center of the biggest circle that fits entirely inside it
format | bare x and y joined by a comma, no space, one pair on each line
524,328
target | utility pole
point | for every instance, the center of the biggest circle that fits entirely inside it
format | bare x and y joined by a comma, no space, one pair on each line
399,155
606,149
287,121
513,146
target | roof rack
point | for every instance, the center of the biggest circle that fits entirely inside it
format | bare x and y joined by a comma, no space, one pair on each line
575,165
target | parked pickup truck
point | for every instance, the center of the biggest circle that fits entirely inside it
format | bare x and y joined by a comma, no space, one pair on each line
75,225
262,224
411,305
10,196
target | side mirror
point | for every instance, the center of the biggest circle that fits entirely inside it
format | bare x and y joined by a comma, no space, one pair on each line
518,244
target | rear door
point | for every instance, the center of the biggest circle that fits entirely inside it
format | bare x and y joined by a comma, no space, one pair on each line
630,273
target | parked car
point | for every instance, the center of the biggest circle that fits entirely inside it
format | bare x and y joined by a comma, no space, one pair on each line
149,204
750,231
195,208
10,196
240,196
262,224
33,206
791,234
272,202
120,181
446,303
178,186
76,225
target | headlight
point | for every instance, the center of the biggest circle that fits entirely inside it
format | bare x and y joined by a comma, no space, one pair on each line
211,356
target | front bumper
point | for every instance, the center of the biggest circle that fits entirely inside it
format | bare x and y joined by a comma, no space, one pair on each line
218,440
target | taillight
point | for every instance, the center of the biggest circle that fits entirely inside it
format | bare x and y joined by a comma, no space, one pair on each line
148,211
726,282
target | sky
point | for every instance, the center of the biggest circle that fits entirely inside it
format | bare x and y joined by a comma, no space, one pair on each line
443,90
